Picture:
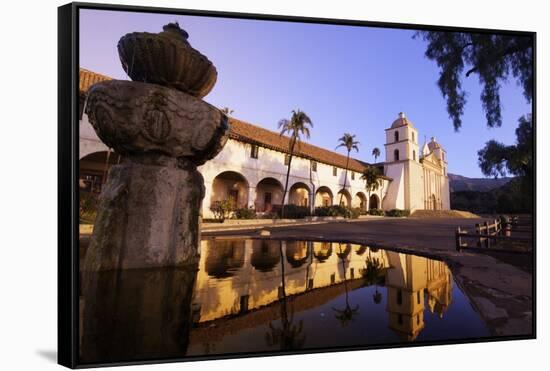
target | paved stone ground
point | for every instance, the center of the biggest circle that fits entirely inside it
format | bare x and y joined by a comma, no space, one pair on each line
500,285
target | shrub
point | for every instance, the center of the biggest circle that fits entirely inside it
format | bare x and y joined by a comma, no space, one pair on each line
336,210
211,220
221,209
294,212
398,213
244,213
87,207
379,212
354,212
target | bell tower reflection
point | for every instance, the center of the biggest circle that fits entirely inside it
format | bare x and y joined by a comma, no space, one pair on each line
408,280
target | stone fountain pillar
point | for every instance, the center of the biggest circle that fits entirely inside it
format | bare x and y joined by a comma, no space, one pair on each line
148,214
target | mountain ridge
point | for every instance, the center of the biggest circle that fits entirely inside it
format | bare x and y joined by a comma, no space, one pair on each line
459,183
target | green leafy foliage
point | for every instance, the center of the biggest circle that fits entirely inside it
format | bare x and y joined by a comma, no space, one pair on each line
398,213
87,207
294,212
298,126
337,210
493,58
509,199
221,209
244,213
378,212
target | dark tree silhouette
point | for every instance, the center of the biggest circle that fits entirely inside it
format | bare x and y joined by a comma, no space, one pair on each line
348,141
295,128
493,58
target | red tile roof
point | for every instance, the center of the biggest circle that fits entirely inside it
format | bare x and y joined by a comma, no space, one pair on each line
254,134
87,78
249,133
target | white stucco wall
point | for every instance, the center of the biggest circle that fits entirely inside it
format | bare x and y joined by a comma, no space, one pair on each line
413,181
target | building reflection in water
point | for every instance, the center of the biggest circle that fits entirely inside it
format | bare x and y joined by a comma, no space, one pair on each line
297,275
269,295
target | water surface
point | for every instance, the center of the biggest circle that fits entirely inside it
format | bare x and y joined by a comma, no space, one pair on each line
270,295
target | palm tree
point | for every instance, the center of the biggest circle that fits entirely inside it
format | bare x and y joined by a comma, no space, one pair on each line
372,180
350,143
376,153
228,111
295,128
345,315
290,335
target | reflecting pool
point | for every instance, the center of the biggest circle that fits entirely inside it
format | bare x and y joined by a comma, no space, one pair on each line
270,295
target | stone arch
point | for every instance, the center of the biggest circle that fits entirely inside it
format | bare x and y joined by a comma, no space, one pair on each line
224,258
343,250
94,169
323,197
360,201
230,185
269,194
298,194
346,200
433,201
296,253
322,251
265,255
360,249
374,202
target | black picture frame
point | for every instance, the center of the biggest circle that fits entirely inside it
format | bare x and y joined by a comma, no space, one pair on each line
68,168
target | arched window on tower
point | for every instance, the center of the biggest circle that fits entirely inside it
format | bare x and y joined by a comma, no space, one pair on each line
396,136
414,155
413,137
396,155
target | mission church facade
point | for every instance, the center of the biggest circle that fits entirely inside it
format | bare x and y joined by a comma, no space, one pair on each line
251,169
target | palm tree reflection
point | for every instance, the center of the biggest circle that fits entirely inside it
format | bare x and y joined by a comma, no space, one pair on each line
346,314
371,276
289,335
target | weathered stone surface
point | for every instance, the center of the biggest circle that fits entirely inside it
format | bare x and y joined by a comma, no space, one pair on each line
148,215
134,117
167,59
136,314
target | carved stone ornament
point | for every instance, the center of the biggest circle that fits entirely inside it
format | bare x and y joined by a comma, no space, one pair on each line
149,208
133,117
167,59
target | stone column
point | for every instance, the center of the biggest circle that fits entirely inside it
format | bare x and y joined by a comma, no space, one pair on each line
251,197
148,213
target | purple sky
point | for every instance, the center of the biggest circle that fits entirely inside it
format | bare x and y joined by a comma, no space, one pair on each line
346,78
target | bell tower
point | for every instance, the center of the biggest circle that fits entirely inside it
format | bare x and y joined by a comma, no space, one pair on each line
402,165
401,140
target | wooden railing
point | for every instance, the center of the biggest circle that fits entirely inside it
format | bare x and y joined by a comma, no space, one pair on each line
487,233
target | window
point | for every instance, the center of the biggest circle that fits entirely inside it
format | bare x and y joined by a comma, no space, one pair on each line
254,151
314,166
287,160
396,155
413,136
399,297
400,319
418,297
334,171
396,136
414,155
352,175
